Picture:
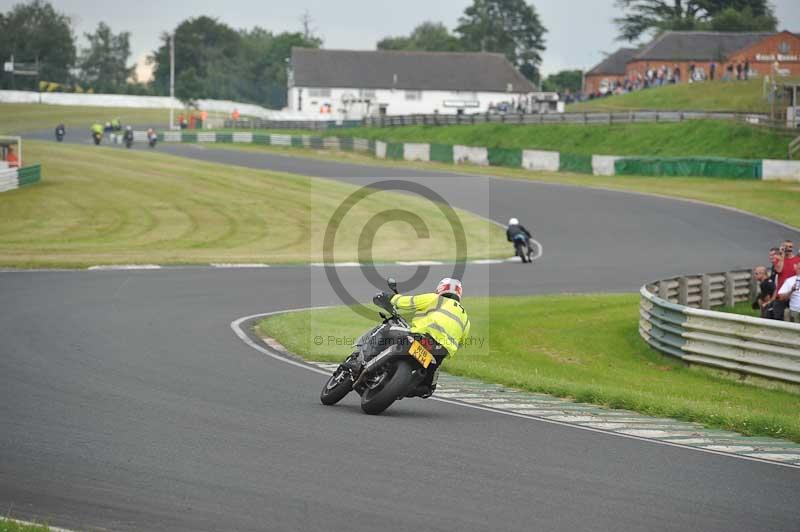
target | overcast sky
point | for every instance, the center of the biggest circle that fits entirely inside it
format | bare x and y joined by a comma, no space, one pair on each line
579,31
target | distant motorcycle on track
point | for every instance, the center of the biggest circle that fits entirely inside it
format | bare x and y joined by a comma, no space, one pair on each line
522,248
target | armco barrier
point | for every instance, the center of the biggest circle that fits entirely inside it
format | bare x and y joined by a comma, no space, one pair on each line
541,161
780,170
470,155
416,152
536,160
753,346
13,178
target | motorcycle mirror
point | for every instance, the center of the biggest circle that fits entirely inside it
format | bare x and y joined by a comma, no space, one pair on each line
392,284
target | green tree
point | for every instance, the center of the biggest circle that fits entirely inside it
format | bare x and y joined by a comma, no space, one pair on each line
428,36
32,31
509,27
104,64
642,16
205,45
732,19
214,61
566,80
263,64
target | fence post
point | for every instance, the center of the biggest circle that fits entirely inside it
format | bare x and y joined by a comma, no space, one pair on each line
705,292
663,290
730,290
683,290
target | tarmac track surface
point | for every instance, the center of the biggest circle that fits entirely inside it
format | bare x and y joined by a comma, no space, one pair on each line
127,404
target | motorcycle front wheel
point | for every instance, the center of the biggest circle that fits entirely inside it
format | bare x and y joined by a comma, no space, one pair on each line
338,385
387,387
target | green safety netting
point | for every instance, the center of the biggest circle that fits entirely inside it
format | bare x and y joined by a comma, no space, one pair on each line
394,150
442,153
573,162
29,175
505,157
346,143
689,166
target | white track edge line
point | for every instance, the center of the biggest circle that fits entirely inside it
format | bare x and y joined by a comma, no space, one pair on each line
236,327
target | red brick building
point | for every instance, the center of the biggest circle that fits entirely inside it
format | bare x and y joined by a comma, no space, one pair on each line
706,51
682,49
611,70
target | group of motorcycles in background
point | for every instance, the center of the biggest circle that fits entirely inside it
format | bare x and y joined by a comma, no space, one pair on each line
98,132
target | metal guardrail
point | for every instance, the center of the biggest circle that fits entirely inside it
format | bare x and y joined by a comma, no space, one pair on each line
622,117
670,322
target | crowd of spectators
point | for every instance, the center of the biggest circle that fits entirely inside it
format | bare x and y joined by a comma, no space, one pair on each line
669,75
779,285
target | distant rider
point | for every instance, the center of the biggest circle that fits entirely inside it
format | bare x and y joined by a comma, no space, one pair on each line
97,130
152,136
515,228
128,135
60,131
440,324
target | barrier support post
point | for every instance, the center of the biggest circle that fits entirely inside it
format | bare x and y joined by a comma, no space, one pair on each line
683,290
663,290
705,292
730,290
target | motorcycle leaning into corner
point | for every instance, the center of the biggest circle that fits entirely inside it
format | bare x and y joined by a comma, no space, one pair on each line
387,364
522,248
60,132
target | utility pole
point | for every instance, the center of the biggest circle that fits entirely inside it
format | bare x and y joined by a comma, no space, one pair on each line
171,78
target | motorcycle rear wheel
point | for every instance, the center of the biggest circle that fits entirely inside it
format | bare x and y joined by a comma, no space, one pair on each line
394,386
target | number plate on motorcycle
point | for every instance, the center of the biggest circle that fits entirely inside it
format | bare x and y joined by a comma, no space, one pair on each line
420,354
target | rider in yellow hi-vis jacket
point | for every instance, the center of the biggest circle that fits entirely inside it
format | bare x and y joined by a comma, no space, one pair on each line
440,317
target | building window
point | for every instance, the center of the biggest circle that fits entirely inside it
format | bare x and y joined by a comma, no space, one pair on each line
414,95
368,93
319,93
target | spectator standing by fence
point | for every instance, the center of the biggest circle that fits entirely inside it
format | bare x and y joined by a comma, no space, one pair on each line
789,293
786,269
766,292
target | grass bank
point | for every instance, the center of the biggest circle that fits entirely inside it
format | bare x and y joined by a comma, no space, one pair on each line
8,525
583,347
739,96
772,199
701,138
25,117
113,206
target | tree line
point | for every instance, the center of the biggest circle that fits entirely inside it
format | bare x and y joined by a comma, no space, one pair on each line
214,60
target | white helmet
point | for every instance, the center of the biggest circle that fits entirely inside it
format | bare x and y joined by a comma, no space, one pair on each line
513,221
448,286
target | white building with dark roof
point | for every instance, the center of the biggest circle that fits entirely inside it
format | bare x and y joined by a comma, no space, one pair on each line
352,84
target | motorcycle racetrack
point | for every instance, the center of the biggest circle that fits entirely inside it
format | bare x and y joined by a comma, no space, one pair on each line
127,402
